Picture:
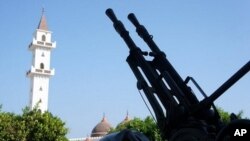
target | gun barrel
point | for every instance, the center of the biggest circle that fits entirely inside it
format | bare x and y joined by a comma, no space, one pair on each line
143,33
110,13
133,19
162,63
120,29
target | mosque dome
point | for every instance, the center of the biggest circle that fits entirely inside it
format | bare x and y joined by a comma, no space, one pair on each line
101,128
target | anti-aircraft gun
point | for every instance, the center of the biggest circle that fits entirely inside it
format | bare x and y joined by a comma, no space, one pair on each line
179,114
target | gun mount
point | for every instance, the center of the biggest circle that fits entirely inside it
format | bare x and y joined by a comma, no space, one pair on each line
179,114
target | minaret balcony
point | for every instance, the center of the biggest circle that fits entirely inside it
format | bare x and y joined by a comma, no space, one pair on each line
36,43
35,71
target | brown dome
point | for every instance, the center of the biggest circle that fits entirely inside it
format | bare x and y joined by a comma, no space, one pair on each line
101,128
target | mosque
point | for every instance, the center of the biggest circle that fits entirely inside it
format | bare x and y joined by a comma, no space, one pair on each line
40,73
100,130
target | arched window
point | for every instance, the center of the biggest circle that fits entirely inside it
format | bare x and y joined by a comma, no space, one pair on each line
41,66
43,38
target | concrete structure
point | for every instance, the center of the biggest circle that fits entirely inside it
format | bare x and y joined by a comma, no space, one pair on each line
40,71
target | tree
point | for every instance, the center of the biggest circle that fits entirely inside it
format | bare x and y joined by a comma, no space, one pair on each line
225,116
11,127
44,126
32,125
147,126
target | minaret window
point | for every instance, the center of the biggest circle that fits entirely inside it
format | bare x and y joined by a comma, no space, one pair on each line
43,54
43,38
41,66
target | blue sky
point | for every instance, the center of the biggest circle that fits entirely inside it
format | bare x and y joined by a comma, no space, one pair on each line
208,40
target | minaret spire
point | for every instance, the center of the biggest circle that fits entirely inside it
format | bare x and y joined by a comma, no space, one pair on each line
40,72
43,24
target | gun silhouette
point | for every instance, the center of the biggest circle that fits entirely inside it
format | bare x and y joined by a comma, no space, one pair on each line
177,110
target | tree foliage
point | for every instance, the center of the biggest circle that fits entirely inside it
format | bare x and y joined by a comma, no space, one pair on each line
31,125
147,126
225,116
11,127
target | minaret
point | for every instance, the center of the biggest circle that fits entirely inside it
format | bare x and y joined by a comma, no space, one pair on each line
40,71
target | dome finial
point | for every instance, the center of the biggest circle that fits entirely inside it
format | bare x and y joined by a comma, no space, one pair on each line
43,11
104,117
127,117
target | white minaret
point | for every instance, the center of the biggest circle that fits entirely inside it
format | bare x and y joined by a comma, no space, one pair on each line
40,71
